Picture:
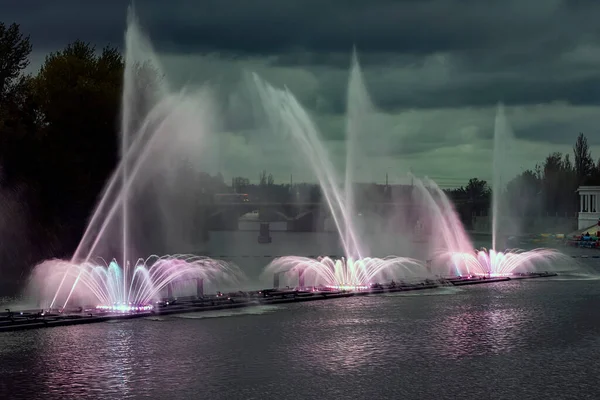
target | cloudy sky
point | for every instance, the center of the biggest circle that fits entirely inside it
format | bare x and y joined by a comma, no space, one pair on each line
435,70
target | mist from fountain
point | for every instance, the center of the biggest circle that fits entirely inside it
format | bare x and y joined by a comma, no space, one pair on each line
452,248
150,202
492,262
359,108
345,274
288,117
108,286
449,235
503,170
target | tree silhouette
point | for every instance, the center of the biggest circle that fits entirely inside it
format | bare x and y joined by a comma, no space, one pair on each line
78,93
584,164
15,50
18,117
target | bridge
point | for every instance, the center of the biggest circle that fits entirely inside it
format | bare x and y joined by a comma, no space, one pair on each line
305,216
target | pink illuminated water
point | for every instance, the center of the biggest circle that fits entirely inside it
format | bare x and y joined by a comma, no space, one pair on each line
345,273
110,285
454,248
497,263
451,248
151,201
447,231
291,119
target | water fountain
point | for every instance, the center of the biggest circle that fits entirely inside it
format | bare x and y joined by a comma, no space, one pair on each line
150,202
355,269
108,286
449,236
345,274
452,248
456,247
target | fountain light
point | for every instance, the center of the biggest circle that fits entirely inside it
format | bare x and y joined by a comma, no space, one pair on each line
346,274
491,263
348,287
125,308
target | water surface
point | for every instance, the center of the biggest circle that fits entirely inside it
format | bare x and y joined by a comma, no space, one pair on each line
513,340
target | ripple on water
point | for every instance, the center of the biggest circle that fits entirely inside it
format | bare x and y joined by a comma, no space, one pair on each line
514,340
253,310
443,291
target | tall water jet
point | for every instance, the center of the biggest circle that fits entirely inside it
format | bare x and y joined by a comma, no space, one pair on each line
449,238
503,170
493,262
144,102
138,98
358,110
151,201
288,117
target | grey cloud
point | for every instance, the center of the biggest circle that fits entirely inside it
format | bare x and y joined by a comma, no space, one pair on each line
509,50
563,132
52,25
273,26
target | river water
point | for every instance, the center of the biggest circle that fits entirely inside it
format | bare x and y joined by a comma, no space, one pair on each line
537,339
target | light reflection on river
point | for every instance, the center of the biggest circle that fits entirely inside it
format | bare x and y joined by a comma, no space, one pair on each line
518,340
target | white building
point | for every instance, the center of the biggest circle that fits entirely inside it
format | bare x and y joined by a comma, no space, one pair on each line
589,211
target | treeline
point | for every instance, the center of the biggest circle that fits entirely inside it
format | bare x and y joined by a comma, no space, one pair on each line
58,144
549,189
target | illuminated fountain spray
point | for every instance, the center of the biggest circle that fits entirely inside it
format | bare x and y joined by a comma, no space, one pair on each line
150,201
456,248
452,248
345,274
497,263
108,286
355,269
449,238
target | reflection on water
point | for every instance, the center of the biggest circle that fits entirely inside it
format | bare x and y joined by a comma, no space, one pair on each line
350,344
479,332
442,291
258,310
524,340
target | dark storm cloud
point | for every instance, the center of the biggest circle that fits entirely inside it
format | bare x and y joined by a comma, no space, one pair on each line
514,91
53,24
274,26
409,27
561,132
498,50
519,89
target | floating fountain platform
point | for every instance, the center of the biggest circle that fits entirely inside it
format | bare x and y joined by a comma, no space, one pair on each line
35,319
475,280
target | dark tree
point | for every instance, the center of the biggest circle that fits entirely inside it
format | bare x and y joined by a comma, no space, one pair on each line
15,49
477,190
18,116
559,182
262,178
524,195
79,93
584,164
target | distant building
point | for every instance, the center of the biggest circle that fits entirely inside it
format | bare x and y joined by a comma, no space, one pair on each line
589,213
